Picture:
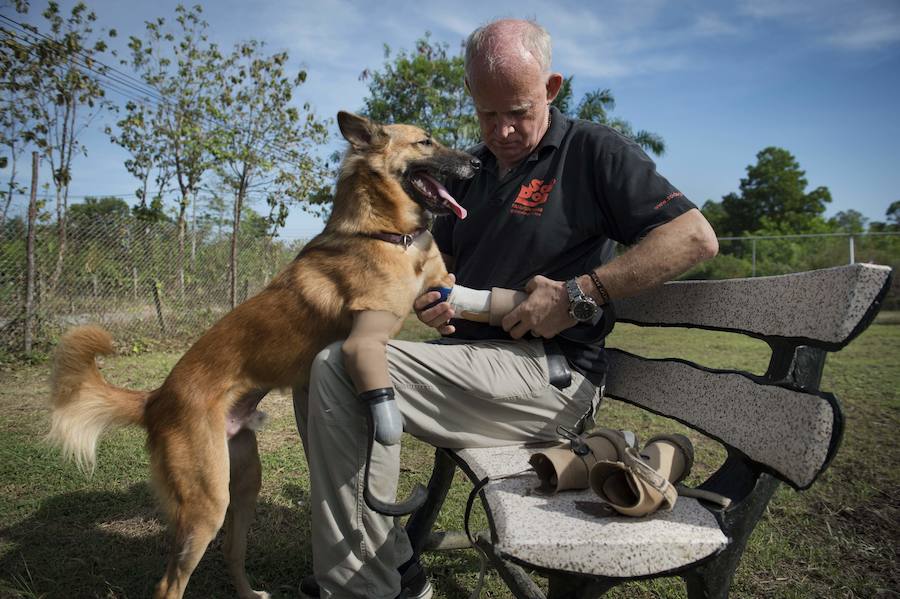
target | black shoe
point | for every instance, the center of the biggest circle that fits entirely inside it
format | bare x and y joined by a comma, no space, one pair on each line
309,587
414,581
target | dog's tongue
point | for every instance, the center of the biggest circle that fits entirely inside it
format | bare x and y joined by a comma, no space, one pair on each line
445,195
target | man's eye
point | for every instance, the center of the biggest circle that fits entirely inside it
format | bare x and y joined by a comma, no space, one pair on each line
426,142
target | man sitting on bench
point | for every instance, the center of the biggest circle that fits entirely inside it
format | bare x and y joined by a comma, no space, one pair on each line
543,212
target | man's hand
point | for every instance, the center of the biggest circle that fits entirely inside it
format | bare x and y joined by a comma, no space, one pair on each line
437,317
545,313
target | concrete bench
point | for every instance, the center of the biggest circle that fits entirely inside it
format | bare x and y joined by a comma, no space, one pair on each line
776,428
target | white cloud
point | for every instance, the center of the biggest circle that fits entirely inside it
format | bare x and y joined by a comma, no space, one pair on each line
860,25
871,31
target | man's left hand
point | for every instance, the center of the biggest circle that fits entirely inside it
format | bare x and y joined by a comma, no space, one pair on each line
545,312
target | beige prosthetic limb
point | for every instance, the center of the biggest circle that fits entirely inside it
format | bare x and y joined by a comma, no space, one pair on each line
365,359
366,362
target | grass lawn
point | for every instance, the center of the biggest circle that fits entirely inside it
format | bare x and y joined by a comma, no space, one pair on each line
62,535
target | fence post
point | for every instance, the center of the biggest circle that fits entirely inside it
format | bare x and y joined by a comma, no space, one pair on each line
154,287
29,255
754,258
852,251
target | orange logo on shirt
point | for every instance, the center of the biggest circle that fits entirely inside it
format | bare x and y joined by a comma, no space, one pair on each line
532,197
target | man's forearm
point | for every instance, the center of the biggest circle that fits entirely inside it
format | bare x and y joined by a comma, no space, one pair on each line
666,252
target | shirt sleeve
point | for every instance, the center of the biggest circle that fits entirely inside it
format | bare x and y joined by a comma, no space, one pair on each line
635,198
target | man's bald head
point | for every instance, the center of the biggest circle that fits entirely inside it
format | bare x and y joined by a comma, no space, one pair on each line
505,46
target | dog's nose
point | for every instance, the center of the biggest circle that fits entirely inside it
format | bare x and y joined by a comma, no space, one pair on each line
476,164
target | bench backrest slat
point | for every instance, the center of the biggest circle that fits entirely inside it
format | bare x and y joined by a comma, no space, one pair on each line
824,308
793,433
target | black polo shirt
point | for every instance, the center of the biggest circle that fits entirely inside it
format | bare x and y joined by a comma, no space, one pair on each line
556,214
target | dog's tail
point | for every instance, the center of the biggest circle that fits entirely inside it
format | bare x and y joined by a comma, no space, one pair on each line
84,404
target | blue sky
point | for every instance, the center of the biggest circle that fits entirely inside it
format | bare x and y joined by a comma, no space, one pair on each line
719,81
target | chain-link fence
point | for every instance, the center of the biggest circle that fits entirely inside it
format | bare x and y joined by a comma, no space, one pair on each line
765,256
136,278
147,286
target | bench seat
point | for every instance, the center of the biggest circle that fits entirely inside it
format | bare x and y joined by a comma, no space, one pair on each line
574,532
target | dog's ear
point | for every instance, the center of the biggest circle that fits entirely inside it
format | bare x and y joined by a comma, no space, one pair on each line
361,132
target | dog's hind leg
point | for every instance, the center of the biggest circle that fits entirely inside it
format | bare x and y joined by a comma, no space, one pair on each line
246,478
196,479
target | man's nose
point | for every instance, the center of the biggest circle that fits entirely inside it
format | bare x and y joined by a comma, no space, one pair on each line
506,127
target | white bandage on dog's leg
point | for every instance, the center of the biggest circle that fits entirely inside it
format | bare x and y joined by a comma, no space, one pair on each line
473,301
484,306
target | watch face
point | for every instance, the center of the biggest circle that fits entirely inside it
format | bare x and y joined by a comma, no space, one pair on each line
583,311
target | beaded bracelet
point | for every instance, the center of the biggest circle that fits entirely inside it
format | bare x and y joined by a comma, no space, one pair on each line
599,285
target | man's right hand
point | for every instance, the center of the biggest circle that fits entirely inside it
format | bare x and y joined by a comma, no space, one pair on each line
438,316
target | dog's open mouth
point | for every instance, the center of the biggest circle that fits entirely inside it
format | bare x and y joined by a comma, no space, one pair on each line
435,194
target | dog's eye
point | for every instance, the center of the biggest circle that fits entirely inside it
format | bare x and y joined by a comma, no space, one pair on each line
426,142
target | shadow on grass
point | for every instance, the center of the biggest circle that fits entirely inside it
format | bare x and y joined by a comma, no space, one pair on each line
113,544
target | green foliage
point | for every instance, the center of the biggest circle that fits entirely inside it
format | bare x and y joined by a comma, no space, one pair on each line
272,152
425,88
848,221
596,105
773,199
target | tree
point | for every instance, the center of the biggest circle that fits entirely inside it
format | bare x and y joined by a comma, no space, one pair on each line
66,95
269,149
773,198
174,138
596,105
893,213
426,88
849,221
15,120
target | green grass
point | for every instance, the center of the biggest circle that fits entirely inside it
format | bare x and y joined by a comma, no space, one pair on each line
64,535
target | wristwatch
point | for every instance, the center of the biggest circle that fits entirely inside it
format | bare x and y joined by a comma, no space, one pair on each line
581,307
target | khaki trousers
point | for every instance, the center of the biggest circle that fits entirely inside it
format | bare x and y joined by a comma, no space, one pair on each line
452,395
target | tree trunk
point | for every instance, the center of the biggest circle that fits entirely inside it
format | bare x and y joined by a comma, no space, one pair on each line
236,226
194,232
10,190
182,223
29,256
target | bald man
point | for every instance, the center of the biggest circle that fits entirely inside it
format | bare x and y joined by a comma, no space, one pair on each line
552,197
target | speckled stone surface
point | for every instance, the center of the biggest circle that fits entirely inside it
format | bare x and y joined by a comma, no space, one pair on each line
822,304
573,531
787,430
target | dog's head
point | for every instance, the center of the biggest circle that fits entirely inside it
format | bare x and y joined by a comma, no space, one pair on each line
407,156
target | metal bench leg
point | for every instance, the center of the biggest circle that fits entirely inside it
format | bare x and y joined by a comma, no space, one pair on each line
420,523
712,579
516,578
573,586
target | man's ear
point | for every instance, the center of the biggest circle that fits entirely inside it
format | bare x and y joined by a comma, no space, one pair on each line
361,132
554,84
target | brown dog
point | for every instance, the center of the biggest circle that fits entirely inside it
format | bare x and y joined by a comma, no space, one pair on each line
374,257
